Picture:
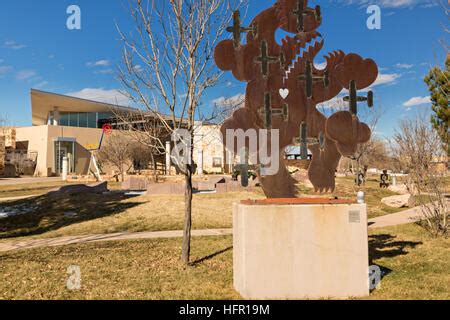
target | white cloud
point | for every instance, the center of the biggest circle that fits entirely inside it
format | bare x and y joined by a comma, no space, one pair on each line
237,100
417,101
99,63
404,66
40,85
14,45
113,96
25,74
386,78
320,66
392,3
138,68
105,71
5,69
335,104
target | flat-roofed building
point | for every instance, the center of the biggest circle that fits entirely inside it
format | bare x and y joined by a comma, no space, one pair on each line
65,126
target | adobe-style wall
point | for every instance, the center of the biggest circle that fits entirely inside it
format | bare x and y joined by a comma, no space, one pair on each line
41,140
85,138
208,138
37,142
2,154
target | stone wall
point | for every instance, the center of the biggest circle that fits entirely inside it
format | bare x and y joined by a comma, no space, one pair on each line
2,154
208,144
10,137
300,164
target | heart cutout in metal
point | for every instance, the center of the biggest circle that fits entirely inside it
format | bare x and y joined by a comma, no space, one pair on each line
284,93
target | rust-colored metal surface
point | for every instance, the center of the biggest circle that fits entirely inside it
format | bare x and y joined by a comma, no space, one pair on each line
284,87
297,201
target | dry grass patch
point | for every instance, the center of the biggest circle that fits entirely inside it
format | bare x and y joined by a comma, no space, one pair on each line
121,270
28,189
346,188
416,267
100,214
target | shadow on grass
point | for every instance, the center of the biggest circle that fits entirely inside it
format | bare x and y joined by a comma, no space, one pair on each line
385,246
53,211
209,257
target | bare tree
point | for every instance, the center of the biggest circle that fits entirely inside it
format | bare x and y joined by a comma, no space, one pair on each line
446,8
372,155
117,152
418,148
366,153
168,66
146,131
225,107
373,152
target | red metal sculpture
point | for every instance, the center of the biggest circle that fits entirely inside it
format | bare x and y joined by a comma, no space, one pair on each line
284,88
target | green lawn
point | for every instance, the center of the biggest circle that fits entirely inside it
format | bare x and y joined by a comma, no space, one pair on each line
417,268
417,264
346,188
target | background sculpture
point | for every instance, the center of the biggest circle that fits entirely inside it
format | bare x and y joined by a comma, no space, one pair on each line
284,88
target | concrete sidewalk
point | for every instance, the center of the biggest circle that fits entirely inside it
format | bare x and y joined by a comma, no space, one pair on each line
62,241
404,217
7,199
27,180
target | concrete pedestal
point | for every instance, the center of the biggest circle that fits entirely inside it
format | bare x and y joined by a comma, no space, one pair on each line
300,251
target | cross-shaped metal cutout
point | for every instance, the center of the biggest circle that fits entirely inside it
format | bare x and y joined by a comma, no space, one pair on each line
237,29
310,79
243,167
268,112
301,11
353,98
305,141
265,59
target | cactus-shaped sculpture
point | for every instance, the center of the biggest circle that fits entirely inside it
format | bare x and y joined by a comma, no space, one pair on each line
284,88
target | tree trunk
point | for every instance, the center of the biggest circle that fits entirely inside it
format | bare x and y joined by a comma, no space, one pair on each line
155,169
186,248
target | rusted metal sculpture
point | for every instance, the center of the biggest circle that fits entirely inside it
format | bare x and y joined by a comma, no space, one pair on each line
284,88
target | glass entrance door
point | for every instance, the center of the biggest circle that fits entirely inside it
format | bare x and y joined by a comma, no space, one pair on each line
64,149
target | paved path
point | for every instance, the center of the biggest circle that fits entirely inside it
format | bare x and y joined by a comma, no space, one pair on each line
17,198
27,180
404,217
62,241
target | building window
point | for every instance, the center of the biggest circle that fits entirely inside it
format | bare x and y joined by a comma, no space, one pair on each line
83,120
64,119
92,120
217,162
73,119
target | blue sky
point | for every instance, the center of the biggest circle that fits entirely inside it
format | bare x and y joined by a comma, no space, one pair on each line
38,51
